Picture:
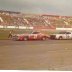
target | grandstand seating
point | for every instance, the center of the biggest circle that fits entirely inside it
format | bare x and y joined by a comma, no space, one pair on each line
38,21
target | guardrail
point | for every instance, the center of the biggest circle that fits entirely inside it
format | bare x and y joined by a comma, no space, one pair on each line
24,27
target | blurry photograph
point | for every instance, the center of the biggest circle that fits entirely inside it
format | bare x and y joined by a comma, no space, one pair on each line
36,35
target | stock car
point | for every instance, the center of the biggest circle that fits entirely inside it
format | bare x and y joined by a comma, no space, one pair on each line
31,36
62,35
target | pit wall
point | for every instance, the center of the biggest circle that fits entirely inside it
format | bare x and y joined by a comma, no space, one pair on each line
29,27
16,27
24,27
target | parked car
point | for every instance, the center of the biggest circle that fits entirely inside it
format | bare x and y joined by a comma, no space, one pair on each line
31,36
62,35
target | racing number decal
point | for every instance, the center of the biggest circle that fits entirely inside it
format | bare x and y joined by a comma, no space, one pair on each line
68,36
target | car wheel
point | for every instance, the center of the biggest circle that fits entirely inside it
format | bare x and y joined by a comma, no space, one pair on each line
60,38
43,38
25,38
13,39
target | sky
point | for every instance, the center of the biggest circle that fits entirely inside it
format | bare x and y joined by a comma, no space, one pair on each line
56,7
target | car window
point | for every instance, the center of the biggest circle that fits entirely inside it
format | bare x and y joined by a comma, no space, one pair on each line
68,33
62,32
35,32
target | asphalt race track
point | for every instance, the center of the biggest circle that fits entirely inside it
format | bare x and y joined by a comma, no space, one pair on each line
36,55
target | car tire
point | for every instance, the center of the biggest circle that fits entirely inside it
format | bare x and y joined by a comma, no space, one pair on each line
14,39
43,38
25,38
60,38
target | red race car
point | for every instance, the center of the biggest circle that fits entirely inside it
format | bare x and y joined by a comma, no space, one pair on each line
32,36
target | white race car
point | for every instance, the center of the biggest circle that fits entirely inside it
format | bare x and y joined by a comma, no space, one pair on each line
61,35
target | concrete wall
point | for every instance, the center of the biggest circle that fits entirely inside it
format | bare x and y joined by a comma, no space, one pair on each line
15,27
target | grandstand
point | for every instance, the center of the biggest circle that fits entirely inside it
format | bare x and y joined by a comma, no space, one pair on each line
16,19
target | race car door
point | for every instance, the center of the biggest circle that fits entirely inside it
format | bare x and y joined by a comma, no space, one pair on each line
68,35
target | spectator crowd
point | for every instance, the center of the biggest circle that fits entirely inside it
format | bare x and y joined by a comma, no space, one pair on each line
8,18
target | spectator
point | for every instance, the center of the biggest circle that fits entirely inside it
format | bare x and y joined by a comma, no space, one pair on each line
10,34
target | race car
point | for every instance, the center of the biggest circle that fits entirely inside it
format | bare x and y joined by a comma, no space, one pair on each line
62,35
31,36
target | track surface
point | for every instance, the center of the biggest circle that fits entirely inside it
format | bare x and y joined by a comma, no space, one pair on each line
36,55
